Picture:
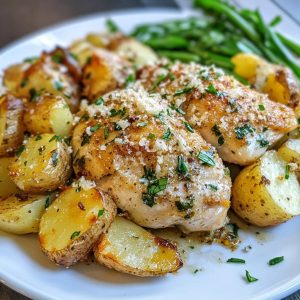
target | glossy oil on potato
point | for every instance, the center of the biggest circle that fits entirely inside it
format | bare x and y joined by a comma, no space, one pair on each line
21,213
73,223
7,186
264,193
128,248
42,164
49,114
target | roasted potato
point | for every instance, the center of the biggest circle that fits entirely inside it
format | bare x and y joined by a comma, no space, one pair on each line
42,164
11,124
104,72
277,81
290,152
128,248
21,213
134,51
267,192
54,72
7,186
73,223
49,114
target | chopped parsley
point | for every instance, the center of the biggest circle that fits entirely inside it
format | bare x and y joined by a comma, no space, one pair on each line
185,205
57,57
24,82
58,85
212,187
96,127
158,81
234,229
236,260
33,94
216,130
117,127
121,112
185,90
263,142
188,127
250,278
176,108
47,202
211,89
261,107
155,186
298,120
106,133
38,137
99,101
242,131
100,213
167,134
221,140
130,79
56,138
276,260
207,158
182,167
287,172
54,158
85,139
75,234
20,150
151,136
111,26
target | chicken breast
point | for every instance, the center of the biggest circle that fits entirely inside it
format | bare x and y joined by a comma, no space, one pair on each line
148,158
240,122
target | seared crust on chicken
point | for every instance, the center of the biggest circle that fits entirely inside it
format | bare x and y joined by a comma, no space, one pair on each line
240,122
149,159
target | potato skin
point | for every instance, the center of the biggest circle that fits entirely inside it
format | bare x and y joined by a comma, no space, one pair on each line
49,114
129,248
53,72
43,164
21,213
11,124
74,208
277,81
7,186
251,199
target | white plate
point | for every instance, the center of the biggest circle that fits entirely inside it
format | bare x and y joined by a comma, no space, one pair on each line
24,268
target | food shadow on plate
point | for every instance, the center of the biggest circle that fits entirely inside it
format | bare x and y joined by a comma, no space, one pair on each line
29,245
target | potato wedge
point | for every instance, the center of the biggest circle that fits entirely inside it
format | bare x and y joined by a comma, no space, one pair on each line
11,124
134,51
275,80
73,223
290,152
21,213
54,72
267,192
43,164
7,186
50,114
128,248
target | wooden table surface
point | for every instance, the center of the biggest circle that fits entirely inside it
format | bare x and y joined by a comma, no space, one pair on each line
17,19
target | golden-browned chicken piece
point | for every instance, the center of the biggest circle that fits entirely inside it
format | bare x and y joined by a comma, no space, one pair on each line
55,72
240,122
150,160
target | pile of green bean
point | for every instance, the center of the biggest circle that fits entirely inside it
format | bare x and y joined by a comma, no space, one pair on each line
220,33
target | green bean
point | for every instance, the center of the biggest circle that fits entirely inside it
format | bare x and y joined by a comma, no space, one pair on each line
289,43
168,42
179,55
232,15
